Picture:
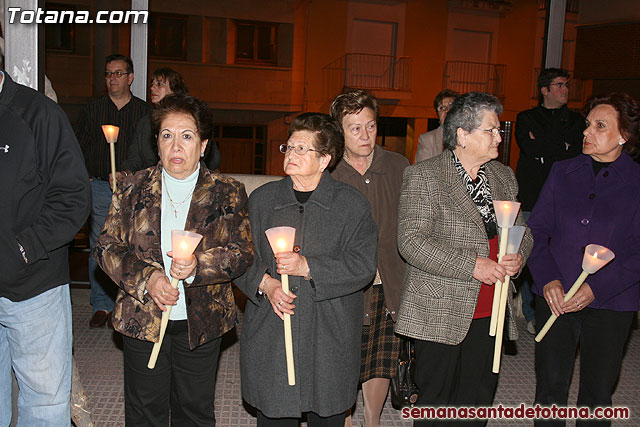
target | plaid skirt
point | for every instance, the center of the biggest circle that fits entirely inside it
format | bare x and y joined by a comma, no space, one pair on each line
380,345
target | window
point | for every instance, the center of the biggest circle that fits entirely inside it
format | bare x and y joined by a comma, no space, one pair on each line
243,148
60,37
256,42
168,36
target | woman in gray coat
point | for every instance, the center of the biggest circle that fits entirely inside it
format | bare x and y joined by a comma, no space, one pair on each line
334,258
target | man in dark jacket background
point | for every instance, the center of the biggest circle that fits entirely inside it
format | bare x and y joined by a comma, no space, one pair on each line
45,200
545,134
120,108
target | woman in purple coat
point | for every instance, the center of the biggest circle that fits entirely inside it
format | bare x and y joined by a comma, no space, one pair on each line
592,198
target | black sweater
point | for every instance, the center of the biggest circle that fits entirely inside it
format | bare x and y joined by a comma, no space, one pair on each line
557,136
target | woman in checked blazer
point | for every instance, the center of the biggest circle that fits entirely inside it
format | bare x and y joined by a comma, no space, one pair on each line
447,233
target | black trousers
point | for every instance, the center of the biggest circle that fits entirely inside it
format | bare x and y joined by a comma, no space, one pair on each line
313,420
456,375
183,380
601,335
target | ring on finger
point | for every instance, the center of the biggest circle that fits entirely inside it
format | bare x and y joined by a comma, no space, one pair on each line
280,304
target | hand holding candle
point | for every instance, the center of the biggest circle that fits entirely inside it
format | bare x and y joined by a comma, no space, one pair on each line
111,135
183,244
281,239
512,246
595,257
506,212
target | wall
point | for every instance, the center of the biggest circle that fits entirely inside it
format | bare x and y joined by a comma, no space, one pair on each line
318,34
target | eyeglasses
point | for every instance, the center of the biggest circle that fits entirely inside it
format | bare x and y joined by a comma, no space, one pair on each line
300,150
494,131
444,107
561,85
118,74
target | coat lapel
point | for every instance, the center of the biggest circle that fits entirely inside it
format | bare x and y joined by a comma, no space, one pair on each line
457,192
202,197
151,217
496,181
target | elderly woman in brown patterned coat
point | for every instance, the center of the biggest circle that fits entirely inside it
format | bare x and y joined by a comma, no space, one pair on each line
135,250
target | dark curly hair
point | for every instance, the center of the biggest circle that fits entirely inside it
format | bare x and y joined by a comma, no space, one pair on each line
328,134
185,104
628,117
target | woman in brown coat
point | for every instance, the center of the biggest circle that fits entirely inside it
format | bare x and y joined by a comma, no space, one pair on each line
377,174
134,248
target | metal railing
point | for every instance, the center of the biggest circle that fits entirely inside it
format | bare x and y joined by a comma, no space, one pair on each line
576,91
573,6
365,71
466,77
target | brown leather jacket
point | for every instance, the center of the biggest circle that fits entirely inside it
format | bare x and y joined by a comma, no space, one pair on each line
129,251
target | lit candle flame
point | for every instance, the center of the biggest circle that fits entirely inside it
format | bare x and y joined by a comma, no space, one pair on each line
506,206
110,133
282,244
595,254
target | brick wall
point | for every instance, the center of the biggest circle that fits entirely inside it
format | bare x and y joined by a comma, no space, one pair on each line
608,51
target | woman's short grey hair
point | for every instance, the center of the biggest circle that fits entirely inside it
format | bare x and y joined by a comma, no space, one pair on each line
466,113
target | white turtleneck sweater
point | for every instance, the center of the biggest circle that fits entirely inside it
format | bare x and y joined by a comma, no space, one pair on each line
174,217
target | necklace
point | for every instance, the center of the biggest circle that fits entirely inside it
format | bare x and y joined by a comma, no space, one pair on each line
175,206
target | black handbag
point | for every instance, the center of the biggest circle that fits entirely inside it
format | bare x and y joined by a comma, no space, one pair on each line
404,391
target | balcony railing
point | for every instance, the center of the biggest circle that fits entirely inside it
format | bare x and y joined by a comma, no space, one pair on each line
466,77
373,72
576,91
573,6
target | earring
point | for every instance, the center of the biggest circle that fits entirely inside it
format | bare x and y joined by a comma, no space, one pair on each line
622,141
201,154
463,146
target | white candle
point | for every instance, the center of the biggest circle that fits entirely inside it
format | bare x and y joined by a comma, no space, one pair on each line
183,244
595,257
281,239
110,133
506,212
514,239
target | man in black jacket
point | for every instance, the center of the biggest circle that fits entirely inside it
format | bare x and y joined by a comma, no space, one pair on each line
545,134
45,200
